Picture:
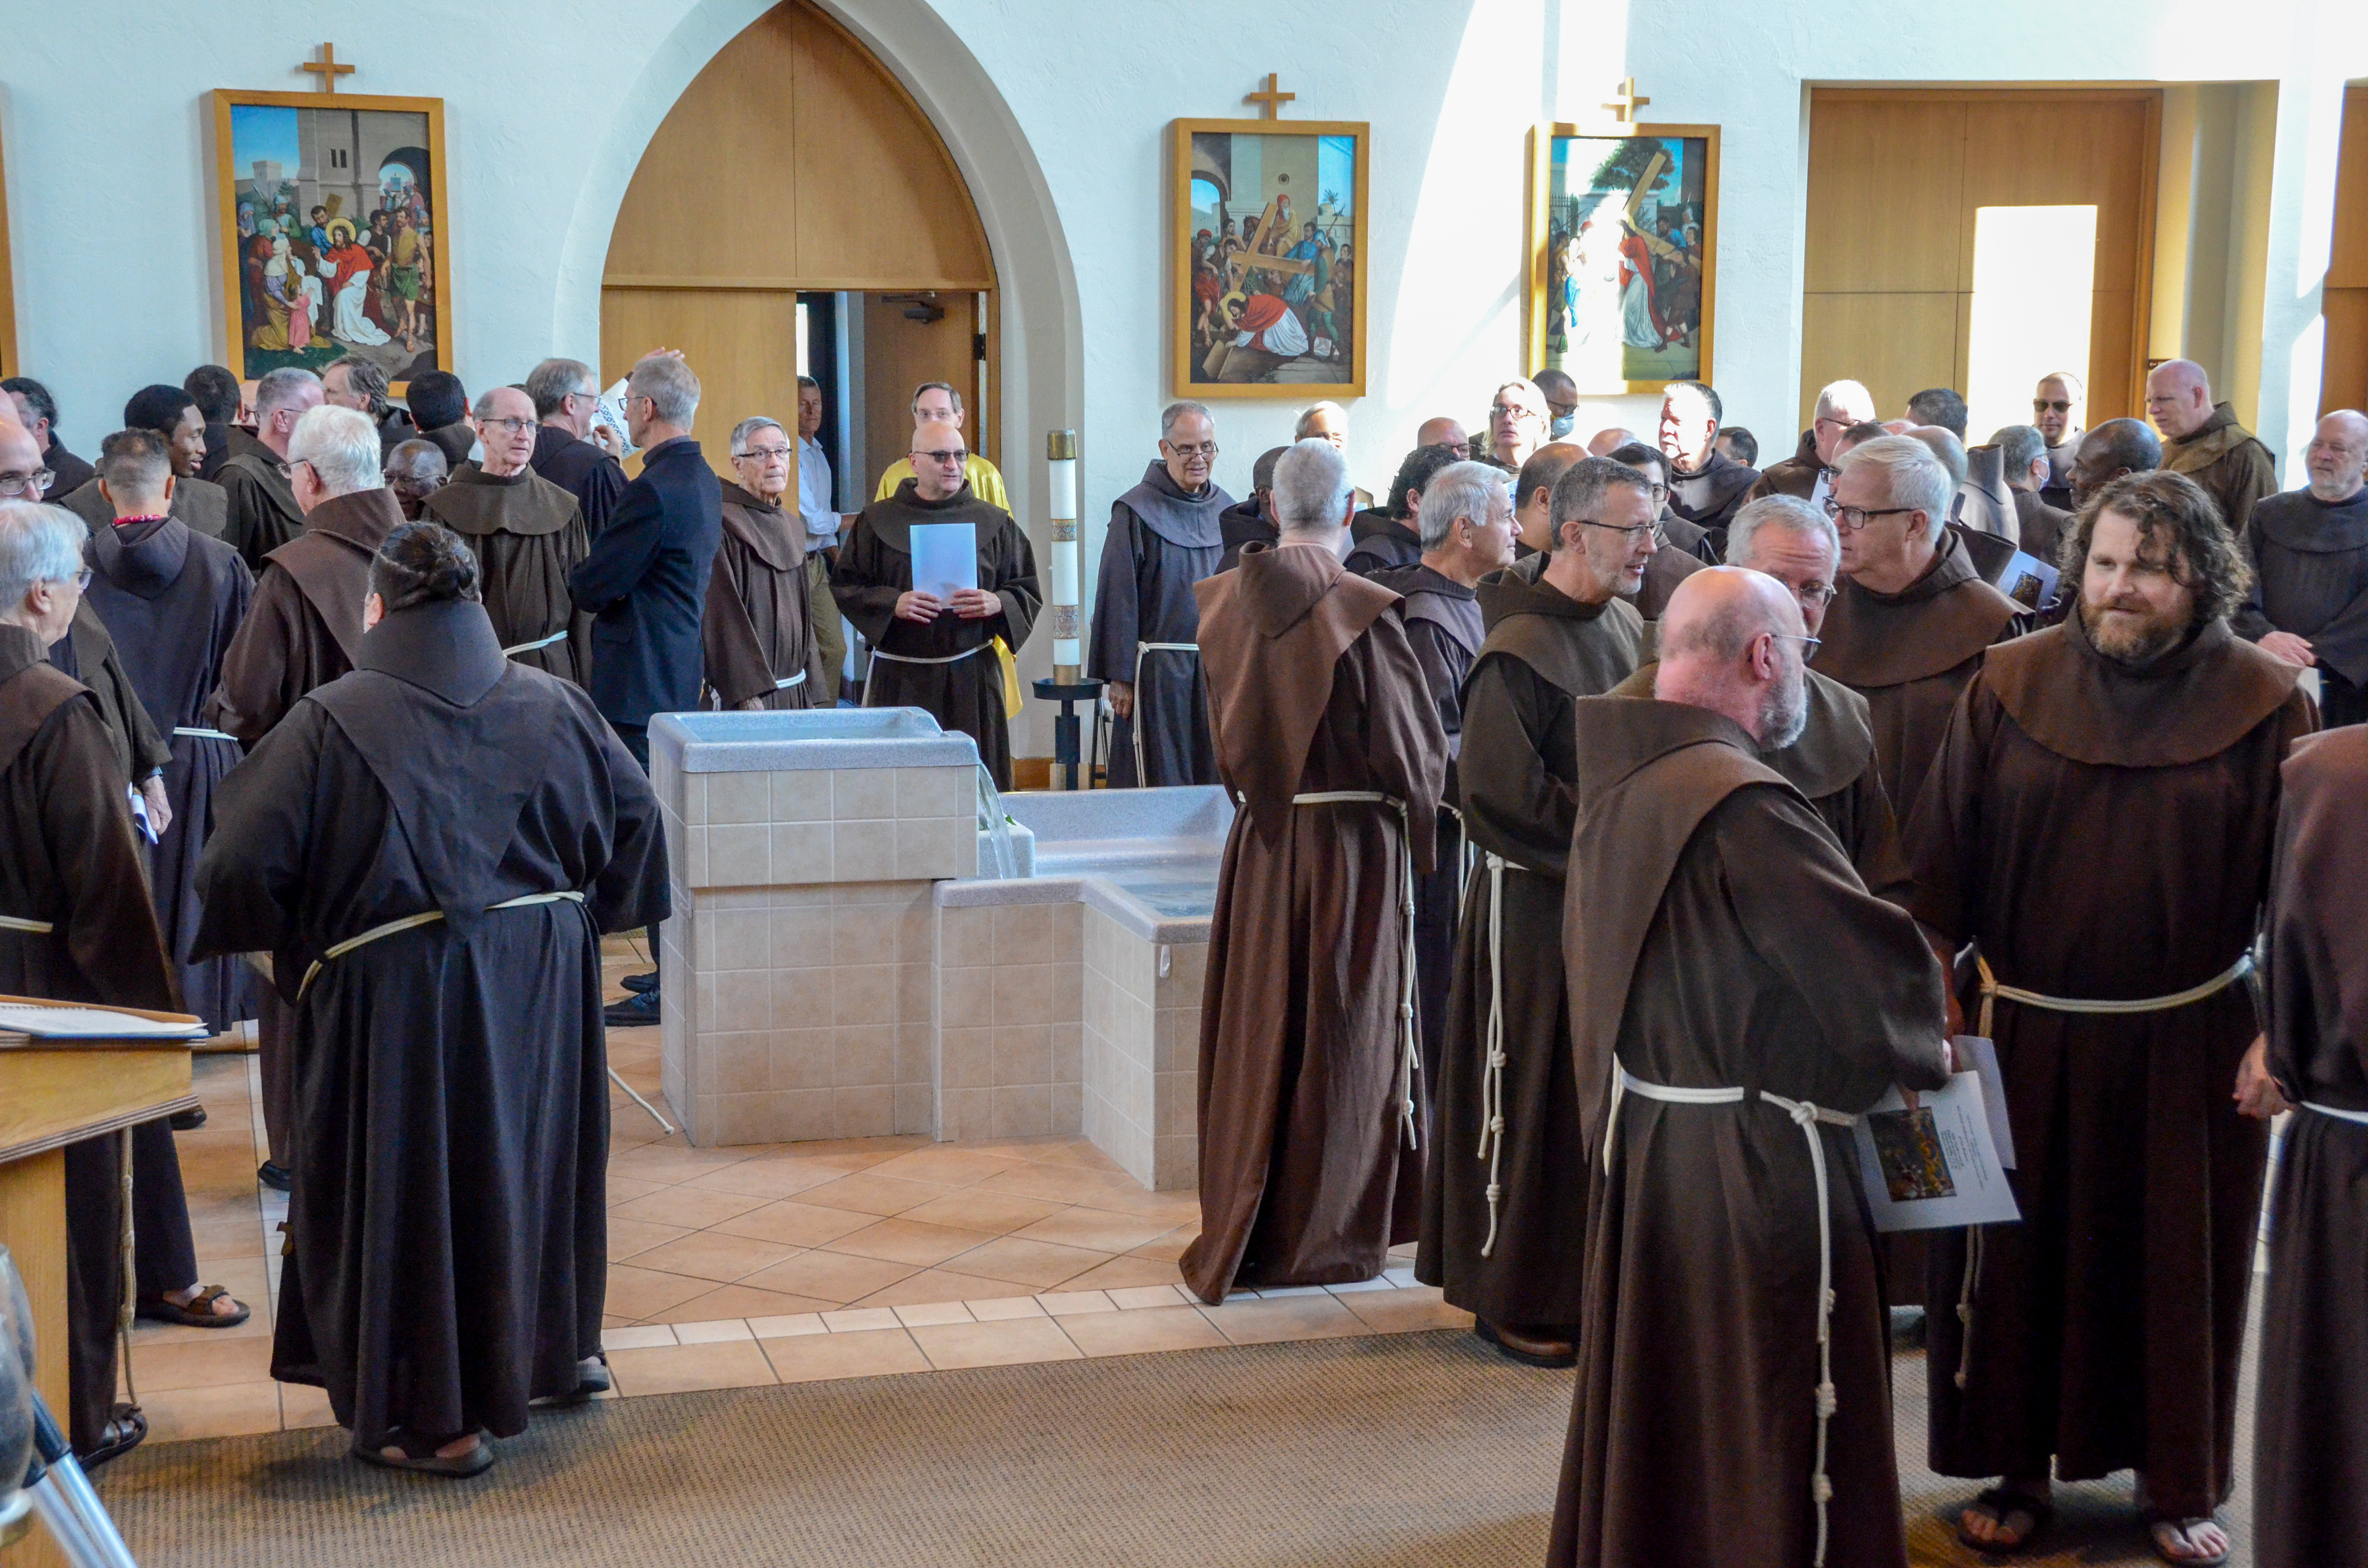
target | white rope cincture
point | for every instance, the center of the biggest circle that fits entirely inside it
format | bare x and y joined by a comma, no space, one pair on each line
1410,1060
197,735
30,927
788,681
413,922
2337,1112
558,636
1492,1075
1134,727
1807,1116
880,654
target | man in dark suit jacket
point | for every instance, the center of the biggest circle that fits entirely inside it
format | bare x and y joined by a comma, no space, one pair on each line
645,582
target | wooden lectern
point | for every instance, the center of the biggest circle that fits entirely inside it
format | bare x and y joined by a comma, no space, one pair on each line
53,1093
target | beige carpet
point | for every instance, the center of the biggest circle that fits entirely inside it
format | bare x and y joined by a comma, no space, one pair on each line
1423,1450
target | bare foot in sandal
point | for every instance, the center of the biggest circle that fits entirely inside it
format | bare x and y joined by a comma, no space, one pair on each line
2197,1542
2005,1518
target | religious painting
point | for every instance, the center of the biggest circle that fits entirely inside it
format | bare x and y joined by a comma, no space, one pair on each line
334,232
1623,236
1267,258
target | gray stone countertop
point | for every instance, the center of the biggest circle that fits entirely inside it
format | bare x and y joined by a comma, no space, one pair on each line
815,738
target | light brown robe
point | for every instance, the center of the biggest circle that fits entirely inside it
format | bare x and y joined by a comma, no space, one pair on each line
1305,1178
1717,938
2310,1442
528,534
758,628
2233,468
2103,832
1909,654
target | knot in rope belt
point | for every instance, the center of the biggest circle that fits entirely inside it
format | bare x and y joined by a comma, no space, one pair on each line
1808,1117
558,636
1492,1077
1409,1058
413,922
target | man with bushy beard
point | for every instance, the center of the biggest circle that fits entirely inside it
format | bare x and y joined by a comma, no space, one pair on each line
2098,822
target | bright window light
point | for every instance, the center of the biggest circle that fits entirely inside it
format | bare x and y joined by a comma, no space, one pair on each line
805,364
2034,270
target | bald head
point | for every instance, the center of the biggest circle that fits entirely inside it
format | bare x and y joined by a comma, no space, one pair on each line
2112,449
1441,431
2338,456
1732,641
2179,398
938,476
21,455
1609,439
415,470
1533,492
1946,447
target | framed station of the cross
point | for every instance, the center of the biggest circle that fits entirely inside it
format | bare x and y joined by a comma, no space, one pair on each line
1267,257
1623,235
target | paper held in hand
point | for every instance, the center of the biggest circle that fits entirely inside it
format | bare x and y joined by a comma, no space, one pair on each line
1937,1166
945,559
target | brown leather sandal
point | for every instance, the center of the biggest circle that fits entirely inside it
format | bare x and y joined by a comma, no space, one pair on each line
198,1312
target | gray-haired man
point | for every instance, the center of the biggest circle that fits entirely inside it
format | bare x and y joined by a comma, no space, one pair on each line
527,533
570,451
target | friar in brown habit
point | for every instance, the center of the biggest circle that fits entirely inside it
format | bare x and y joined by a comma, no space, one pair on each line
527,533
2310,1438
75,921
1309,1096
1913,619
262,511
757,629
2136,745
1833,764
936,656
1502,1230
1737,997
303,630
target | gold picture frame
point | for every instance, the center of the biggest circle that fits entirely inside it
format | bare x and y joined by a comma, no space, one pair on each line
1639,278
1228,338
9,364
385,155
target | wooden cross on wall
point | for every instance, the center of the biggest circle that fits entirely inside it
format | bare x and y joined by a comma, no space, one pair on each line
327,68
1270,101
1625,103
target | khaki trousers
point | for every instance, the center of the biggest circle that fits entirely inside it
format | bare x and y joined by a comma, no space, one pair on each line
829,631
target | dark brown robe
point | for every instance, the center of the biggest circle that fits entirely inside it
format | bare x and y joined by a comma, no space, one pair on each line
2105,1328
1909,654
261,510
204,508
2310,578
528,534
875,569
1833,765
452,1100
758,628
1518,775
2044,527
1305,1176
67,857
2233,468
305,624
1795,476
1717,938
87,653
1667,567
2310,1440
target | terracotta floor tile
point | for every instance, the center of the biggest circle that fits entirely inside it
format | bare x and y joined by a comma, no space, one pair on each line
640,1293
1007,1344
1040,1265
989,1213
627,1237
946,1164
768,1178
936,1285
815,1358
829,1277
1125,1195
191,1364
741,1301
1171,1246
1146,1328
1293,1317
1406,1311
625,1188
906,1241
1125,1272
1081,1152
228,1410
711,1254
687,1205
1058,1184
795,1224
1096,1230
302,1406
868,1194
662,1160
680,1369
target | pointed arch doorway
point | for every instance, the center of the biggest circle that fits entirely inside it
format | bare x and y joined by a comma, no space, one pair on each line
796,185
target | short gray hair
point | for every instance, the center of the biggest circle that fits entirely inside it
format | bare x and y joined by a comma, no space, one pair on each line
670,386
948,388
750,426
1580,490
1306,425
1782,512
1460,490
341,445
1178,410
282,387
1912,476
552,382
1830,396
362,377
2019,446
1311,487
39,543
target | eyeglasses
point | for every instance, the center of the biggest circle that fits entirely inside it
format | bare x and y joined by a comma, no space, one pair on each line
765,454
947,459
1825,419
1631,533
1809,645
1193,449
1851,519
514,425
37,482
1511,411
2050,405
1814,593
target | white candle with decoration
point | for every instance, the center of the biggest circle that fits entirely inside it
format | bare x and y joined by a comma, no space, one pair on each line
1061,473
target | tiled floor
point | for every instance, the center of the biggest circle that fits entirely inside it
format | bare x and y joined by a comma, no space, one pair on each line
786,1263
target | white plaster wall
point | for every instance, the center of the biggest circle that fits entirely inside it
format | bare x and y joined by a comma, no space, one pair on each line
1057,112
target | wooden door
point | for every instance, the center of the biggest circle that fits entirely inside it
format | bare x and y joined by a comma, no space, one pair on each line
899,354
742,342
1895,180
2344,383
